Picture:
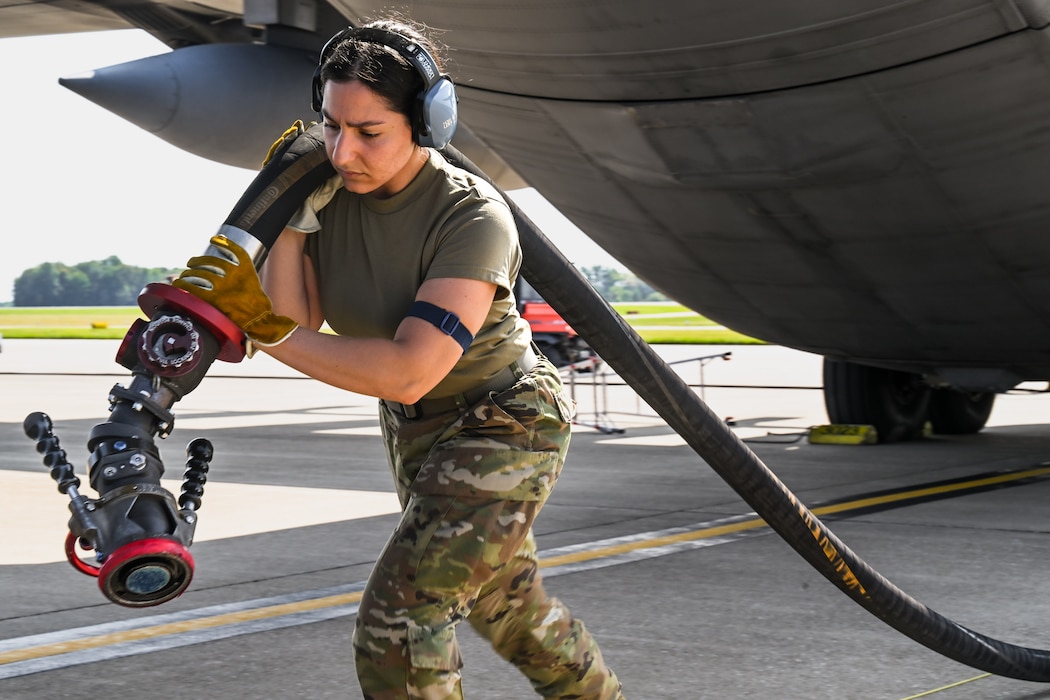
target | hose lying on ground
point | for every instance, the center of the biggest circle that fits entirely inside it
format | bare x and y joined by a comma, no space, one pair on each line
572,296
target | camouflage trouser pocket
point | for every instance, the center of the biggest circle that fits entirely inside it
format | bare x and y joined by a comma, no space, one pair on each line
510,446
434,648
537,401
566,405
469,542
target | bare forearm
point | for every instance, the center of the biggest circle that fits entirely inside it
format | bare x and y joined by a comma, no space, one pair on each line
286,280
389,369
402,369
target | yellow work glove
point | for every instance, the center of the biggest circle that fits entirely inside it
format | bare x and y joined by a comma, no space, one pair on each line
234,289
289,135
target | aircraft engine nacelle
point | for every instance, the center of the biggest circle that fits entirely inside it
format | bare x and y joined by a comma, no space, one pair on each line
228,102
223,102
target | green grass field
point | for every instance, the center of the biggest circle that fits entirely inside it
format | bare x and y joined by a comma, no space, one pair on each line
103,322
656,323
673,324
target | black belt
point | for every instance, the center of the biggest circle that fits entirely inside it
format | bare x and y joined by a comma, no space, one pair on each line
504,379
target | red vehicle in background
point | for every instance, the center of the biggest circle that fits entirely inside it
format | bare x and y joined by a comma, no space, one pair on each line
552,334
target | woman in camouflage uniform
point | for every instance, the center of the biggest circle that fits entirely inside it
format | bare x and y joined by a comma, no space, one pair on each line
412,262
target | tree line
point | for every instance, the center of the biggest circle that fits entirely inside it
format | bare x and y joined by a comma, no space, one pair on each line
619,286
110,282
106,282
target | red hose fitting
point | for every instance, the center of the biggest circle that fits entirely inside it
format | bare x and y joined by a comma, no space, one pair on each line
146,572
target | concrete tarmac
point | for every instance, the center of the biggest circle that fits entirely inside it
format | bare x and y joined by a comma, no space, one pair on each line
299,502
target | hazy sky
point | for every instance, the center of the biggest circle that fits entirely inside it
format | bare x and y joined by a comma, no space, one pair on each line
83,184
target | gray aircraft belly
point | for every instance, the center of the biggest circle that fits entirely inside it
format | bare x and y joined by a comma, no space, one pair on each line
895,217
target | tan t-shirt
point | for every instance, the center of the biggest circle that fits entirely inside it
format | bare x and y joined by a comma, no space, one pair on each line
371,256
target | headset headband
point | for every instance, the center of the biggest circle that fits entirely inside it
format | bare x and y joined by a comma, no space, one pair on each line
412,52
435,121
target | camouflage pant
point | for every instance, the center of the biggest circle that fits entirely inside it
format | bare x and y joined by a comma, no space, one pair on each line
471,485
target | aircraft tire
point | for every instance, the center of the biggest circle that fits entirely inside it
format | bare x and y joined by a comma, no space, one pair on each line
896,403
954,412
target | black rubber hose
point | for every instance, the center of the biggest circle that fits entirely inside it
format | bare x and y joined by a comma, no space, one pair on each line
297,168
302,165
569,293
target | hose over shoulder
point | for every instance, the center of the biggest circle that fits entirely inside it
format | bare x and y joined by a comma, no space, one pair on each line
295,169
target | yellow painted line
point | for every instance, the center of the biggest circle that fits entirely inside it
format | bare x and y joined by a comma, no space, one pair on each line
182,627
742,526
932,491
280,610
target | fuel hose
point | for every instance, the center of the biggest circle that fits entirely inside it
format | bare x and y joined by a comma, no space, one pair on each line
619,345
296,165
301,165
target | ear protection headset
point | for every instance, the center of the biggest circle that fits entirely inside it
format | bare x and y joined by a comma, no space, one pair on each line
435,114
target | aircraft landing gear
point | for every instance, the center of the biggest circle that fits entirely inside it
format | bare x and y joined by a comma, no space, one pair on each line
954,412
898,404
